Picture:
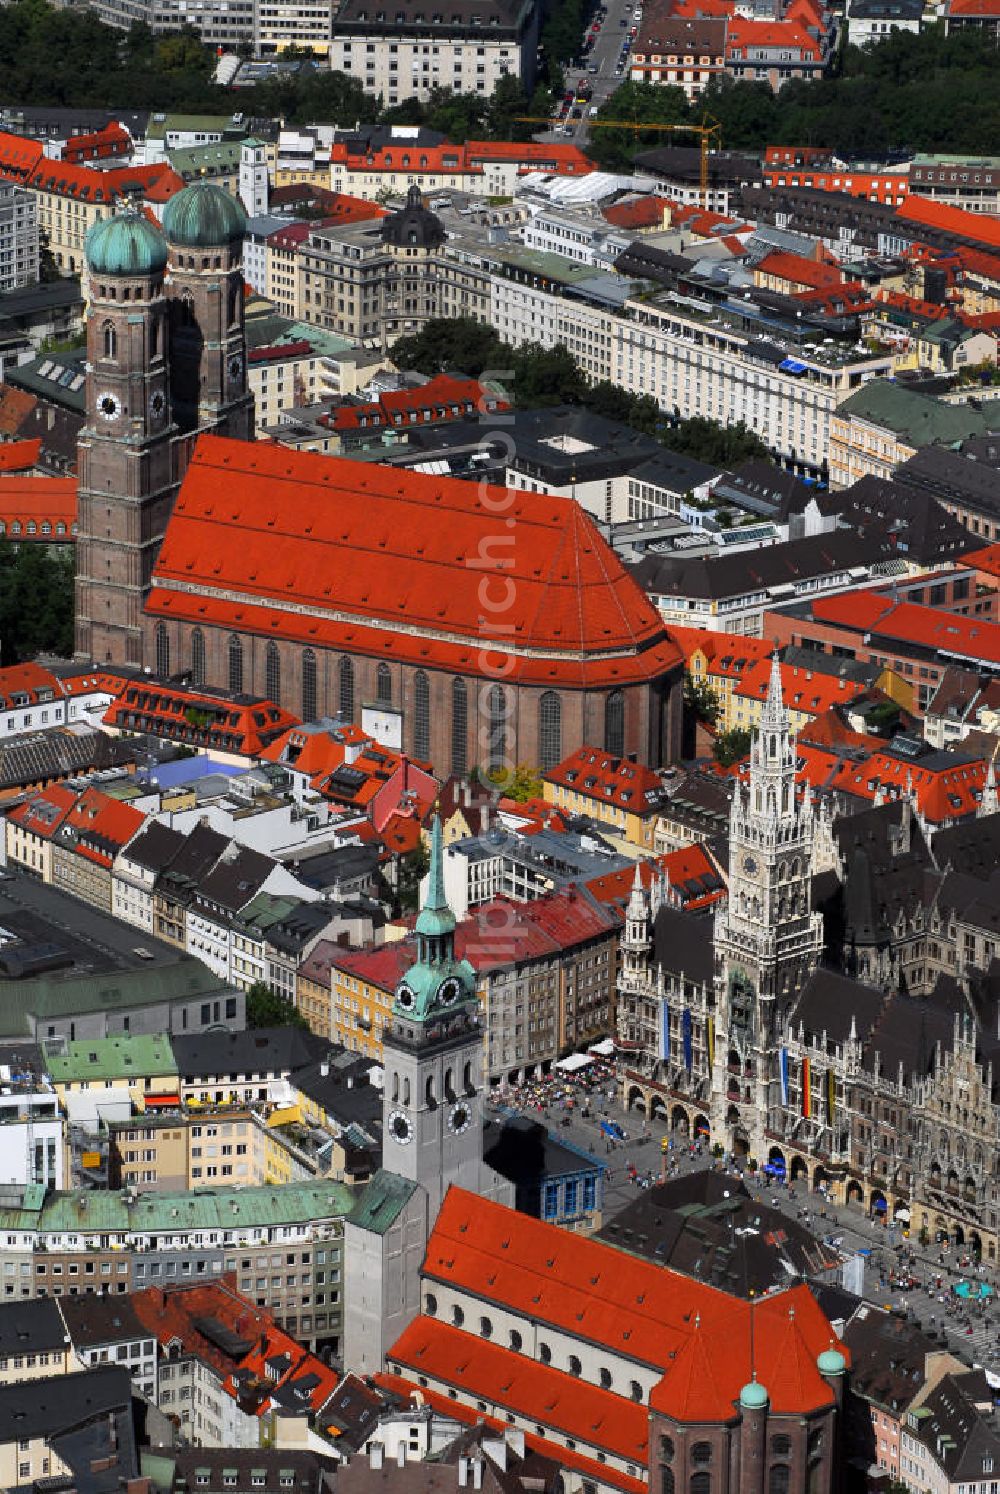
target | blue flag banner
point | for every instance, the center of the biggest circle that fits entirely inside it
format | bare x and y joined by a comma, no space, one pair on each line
665,1030
686,1037
784,1076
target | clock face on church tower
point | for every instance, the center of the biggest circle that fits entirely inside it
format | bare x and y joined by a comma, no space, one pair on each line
400,1128
459,1119
109,406
235,368
157,404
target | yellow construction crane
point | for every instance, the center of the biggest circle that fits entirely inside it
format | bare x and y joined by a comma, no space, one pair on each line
709,130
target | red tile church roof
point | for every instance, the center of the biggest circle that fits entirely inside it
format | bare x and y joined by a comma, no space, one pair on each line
370,560
705,1343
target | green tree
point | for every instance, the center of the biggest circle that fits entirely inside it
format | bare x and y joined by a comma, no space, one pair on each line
731,746
453,345
546,376
36,600
701,699
412,870
520,783
265,1008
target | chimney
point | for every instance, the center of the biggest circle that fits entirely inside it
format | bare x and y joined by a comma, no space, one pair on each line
375,1454
324,1070
463,1473
477,1473
401,1455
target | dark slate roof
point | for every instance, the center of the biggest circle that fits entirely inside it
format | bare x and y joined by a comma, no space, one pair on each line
89,1426
339,1083
682,944
887,1357
308,1469
971,846
53,755
828,1002
611,448
200,851
908,1028
706,1225
960,1437
259,1050
32,1327
525,1150
950,474
93,1320
726,575
155,846
236,877
674,471
765,489
912,518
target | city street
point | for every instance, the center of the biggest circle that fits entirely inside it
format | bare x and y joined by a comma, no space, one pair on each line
599,70
887,1249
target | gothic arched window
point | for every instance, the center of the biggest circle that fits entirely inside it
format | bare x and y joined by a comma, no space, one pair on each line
383,685
459,726
154,337
497,743
235,664
549,730
614,723
346,705
778,1481
197,657
309,685
272,672
162,650
110,340
421,715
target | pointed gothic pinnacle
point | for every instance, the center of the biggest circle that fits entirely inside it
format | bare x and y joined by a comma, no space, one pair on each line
435,882
775,700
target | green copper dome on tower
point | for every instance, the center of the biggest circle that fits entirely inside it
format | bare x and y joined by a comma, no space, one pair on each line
437,985
203,216
125,244
831,1362
753,1396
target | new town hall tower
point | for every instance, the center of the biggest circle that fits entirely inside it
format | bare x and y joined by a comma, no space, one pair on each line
166,358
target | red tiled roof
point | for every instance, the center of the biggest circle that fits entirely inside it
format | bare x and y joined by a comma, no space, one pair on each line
941,792
441,398
986,560
18,157
982,228
15,404
371,560
641,212
588,1468
705,1344
804,690
112,140
501,1377
45,811
41,508
562,160
30,680
798,270
243,726
102,825
743,35
693,877
612,780
19,456
948,633
87,184
275,1360
165,187
986,8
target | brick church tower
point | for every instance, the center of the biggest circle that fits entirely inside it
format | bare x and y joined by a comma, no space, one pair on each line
126,478
166,357
204,228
